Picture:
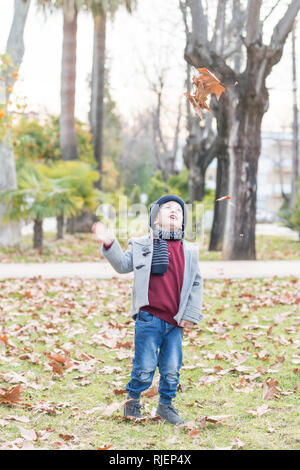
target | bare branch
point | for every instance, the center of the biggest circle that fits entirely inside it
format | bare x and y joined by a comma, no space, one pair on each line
199,21
177,131
284,26
183,8
253,23
271,11
217,41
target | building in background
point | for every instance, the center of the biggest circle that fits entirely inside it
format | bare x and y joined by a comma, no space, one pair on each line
273,177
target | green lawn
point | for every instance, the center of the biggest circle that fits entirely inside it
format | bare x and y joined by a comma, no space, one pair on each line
228,394
82,247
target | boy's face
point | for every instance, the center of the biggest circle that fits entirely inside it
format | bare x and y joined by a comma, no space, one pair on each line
170,216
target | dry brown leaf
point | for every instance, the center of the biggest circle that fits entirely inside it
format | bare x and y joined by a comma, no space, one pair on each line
204,84
67,362
110,409
67,437
56,368
152,392
105,447
11,395
270,389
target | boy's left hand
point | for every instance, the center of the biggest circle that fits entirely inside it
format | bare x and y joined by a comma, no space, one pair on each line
186,324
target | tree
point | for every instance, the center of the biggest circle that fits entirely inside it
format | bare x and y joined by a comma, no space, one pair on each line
244,107
30,201
10,233
59,190
100,10
68,137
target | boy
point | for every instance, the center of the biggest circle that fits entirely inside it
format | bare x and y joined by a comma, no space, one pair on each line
166,297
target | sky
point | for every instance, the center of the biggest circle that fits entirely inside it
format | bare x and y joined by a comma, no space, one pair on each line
146,40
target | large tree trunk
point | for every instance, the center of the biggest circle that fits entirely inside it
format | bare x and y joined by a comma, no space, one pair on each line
59,227
97,92
83,223
222,180
38,235
220,208
245,118
198,154
10,233
68,138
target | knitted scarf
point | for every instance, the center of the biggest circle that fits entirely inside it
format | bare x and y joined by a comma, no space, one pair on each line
160,259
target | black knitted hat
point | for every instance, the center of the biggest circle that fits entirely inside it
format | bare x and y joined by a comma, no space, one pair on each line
155,206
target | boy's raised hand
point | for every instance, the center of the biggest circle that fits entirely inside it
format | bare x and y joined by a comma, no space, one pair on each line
102,233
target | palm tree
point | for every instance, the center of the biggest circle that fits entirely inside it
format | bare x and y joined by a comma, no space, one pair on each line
45,192
100,10
68,138
73,180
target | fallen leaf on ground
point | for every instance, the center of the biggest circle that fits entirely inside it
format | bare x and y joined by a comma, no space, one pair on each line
11,395
270,389
237,442
261,410
28,434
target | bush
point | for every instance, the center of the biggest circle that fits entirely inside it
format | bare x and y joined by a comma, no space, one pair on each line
291,217
36,142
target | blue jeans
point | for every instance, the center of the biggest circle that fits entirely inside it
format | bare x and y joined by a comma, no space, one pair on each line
151,334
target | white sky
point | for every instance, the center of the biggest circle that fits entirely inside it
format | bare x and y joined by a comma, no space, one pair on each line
151,35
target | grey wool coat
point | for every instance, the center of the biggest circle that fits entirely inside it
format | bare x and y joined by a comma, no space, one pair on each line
138,258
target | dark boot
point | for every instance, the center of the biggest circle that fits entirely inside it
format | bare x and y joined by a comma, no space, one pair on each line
169,413
132,407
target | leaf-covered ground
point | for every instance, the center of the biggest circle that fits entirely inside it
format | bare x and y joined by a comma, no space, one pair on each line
81,247
65,358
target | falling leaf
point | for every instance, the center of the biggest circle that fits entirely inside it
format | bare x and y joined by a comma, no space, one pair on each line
223,198
204,84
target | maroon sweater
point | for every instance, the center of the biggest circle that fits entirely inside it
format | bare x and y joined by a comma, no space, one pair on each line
164,291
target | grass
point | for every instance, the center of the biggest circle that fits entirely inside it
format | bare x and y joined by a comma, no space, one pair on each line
81,247
253,320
